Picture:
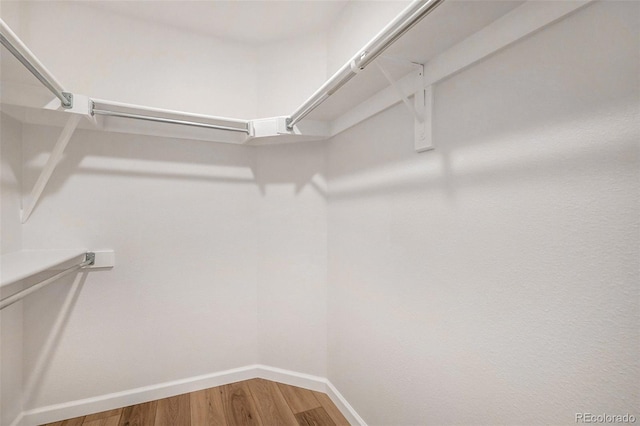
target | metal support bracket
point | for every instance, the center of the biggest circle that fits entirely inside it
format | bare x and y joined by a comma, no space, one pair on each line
424,106
420,108
90,257
49,167
69,97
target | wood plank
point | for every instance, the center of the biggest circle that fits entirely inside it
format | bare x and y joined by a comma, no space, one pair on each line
139,414
331,409
77,421
108,421
252,402
299,399
239,407
315,417
272,407
105,418
174,411
206,408
103,415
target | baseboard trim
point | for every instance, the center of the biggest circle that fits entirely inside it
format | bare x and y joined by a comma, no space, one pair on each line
18,420
292,378
319,384
67,410
345,408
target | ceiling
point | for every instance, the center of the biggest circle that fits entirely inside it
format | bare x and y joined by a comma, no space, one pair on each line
253,22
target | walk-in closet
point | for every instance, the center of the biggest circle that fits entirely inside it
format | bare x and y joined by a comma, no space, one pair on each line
301,212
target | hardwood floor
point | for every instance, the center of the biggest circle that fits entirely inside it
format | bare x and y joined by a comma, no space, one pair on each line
252,402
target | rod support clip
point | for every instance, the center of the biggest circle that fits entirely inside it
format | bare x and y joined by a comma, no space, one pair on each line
356,64
69,97
90,257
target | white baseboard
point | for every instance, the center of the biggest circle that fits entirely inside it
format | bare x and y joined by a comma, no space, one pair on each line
18,420
319,384
67,410
292,378
345,408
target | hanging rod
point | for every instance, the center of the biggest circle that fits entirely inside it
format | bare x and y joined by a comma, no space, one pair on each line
22,53
7,301
385,38
169,120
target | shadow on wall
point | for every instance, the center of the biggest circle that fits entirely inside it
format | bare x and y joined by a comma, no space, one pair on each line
527,111
300,164
145,157
572,149
52,306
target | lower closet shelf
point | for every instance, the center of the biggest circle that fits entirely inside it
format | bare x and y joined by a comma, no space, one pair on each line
23,264
19,265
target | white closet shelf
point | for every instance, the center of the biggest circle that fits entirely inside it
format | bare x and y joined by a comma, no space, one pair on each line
400,64
23,264
19,265
454,36
137,119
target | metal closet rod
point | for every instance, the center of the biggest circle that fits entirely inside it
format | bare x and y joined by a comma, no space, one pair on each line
22,53
385,38
89,260
170,120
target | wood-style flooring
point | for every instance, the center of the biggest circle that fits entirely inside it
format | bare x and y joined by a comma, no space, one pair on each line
251,402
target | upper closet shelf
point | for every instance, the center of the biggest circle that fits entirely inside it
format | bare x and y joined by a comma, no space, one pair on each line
454,36
136,119
400,64
446,25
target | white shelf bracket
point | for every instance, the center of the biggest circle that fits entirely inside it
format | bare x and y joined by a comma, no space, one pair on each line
420,108
423,129
49,167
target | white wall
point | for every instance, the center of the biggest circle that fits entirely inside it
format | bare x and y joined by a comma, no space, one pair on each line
357,24
292,257
495,280
11,176
289,72
11,353
109,56
500,270
140,62
136,61
11,12
181,300
187,219
221,263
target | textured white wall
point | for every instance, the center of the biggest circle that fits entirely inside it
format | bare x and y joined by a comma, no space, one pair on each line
292,257
11,176
289,72
10,240
186,219
221,262
181,300
358,23
496,279
109,56
12,14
